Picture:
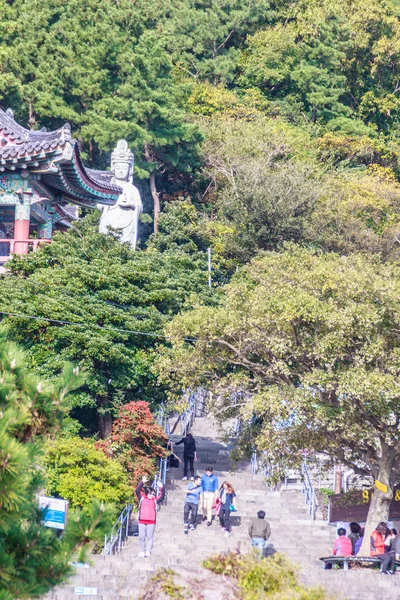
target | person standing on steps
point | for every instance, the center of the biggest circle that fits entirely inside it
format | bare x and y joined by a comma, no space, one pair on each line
228,505
189,455
209,484
194,491
259,531
148,500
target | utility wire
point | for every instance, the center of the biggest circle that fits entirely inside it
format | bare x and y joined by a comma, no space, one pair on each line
58,321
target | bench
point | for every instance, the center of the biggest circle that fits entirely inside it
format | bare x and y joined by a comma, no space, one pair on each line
345,560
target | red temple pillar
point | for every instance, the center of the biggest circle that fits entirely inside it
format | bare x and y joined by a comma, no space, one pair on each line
21,225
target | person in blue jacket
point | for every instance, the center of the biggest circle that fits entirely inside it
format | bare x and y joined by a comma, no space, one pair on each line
209,484
193,494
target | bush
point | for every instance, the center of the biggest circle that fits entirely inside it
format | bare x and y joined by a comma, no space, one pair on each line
78,472
136,441
263,578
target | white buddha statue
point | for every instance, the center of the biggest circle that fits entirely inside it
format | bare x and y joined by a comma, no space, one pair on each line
124,215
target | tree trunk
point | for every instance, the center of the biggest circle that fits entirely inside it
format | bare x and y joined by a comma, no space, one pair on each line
104,420
156,200
380,501
153,189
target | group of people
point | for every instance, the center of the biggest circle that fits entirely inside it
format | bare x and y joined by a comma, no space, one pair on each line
202,492
384,544
221,500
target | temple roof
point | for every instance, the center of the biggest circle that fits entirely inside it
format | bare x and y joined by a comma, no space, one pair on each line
55,156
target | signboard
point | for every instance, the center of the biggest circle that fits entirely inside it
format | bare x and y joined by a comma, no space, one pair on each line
354,505
54,512
82,591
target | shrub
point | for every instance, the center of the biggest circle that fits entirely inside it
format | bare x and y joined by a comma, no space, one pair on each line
136,441
78,472
263,578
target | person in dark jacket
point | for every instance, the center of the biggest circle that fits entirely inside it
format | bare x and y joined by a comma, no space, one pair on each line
148,500
189,455
354,534
228,502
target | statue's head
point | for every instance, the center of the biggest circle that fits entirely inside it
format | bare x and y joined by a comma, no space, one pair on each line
122,162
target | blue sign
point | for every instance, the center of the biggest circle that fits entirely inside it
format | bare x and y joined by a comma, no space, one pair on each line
54,512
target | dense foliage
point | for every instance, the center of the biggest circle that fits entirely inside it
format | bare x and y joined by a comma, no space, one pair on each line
32,557
254,125
136,441
78,472
304,348
103,307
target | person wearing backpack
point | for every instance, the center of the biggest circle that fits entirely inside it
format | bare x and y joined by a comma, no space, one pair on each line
189,455
148,500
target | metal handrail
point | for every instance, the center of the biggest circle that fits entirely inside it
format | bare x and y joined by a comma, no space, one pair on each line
119,532
254,462
308,490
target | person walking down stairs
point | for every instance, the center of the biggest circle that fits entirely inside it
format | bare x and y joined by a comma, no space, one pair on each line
228,504
194,492
209,484
189,455
148,500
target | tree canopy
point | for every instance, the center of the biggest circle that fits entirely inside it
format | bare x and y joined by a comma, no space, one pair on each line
304,348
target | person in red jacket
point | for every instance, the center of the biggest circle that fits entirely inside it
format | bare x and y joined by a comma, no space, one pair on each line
148,500
378,549
342,545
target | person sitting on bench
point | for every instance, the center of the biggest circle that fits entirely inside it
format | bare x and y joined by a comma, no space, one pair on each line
341,547
379,550
358,544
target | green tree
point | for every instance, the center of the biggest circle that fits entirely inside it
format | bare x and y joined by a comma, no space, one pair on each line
32,557
96,65
311,345
262,182
89,299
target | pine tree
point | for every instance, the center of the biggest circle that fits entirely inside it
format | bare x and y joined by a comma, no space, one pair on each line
32,557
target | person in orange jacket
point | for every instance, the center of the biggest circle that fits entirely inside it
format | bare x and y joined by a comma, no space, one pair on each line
378,549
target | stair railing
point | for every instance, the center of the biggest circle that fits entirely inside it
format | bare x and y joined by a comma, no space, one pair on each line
254,462
189,414
308,490
119,532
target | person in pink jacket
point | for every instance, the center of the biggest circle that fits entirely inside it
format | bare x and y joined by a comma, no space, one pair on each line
342,545
148,500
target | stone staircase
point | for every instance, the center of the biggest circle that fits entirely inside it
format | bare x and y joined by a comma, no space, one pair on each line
293,534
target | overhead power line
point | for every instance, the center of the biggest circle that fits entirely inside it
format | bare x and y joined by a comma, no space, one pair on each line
95,325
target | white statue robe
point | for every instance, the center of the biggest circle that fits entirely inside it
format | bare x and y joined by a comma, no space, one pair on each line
124,215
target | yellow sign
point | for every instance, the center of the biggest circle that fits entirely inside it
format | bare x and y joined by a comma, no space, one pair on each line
381,486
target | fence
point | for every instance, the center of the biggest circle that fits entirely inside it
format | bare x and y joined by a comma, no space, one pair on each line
308,490
113,543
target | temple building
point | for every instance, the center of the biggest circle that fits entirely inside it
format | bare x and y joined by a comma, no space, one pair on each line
42,184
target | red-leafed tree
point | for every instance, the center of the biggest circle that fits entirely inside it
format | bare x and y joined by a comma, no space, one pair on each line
136,440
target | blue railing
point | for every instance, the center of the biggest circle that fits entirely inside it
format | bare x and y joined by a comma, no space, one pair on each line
189,414
113,543
308,490
254,462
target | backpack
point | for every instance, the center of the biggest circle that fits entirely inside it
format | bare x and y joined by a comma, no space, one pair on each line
173,462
